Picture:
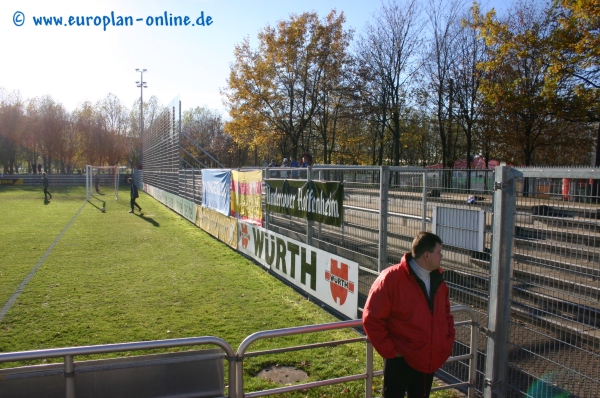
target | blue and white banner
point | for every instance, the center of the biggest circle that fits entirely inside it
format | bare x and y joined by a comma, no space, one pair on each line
216,190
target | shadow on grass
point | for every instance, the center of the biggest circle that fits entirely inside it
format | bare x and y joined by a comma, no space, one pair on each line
93,204
148,219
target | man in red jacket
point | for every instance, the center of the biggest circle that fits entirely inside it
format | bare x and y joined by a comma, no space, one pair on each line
407,319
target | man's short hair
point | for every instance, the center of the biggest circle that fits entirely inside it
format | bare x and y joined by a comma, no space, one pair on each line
424,242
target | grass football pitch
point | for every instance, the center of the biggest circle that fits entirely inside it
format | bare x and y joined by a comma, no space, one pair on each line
71,275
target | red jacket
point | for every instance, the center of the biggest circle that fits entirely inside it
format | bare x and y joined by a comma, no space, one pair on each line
398,317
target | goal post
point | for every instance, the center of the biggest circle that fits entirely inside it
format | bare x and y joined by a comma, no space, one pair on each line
101,181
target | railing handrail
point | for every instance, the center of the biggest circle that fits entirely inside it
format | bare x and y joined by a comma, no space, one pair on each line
118,347
265,334
368,375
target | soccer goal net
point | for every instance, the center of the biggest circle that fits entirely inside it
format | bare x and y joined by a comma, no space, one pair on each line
100,182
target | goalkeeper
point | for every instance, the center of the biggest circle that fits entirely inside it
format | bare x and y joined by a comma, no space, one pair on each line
134,196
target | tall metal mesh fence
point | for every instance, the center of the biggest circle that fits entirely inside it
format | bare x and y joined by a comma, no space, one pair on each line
161,144
553,345
173,161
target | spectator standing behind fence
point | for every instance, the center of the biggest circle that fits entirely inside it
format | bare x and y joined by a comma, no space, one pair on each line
294,163
134,196
272,164
407,319
285,174
45,184
306,160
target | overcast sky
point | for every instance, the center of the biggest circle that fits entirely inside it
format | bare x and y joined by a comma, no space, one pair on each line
77,63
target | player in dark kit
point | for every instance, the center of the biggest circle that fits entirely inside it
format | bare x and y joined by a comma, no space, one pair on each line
134,195
45,184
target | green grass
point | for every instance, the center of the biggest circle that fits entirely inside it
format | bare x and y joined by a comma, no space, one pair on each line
116,277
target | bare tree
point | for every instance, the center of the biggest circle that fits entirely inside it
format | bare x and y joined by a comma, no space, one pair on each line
68,150
439,62
387,53
115,122
52,122
335,88
204,137
374,108
11,126
90,127
471,51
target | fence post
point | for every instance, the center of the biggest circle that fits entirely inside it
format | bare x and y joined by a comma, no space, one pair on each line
177,128
369,370
266,176
424,223
69,374
384,177
309,223
499,306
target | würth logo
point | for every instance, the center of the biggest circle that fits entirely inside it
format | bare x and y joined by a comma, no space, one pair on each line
245,236
338,282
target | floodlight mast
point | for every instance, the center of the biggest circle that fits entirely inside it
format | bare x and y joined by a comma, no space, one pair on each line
142,85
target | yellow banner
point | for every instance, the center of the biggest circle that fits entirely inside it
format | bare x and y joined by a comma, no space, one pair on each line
246,196
221,227
11,181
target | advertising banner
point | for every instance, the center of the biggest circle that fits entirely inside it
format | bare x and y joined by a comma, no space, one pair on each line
11,181
222,227
325,276
246,196
282,197
182,206
313,200
198,220
216,189
189,210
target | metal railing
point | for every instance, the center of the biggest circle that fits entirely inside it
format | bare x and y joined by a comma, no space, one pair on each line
236,360
68,354
369,373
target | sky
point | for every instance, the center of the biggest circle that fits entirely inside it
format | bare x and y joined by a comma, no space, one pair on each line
74,63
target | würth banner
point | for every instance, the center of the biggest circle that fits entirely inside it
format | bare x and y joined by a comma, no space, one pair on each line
313,200
325,276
